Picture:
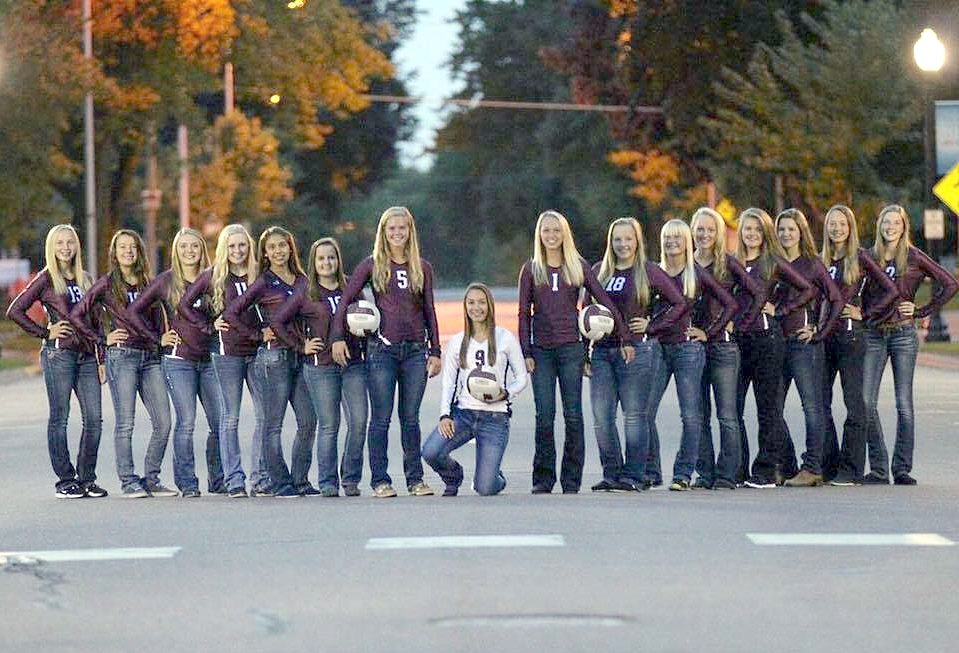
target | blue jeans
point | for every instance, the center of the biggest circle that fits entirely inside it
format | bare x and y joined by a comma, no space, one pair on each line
68,372
564,364
491,430
230,372
186,381
130,371
279,381
613,383
761,356
845,354
901,346
804,364
332,387
400,365
722,374
683,361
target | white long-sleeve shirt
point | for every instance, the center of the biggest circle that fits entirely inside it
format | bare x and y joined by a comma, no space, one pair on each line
509,358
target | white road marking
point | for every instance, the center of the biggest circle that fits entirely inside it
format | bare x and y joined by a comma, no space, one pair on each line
88,555
463,542
849,539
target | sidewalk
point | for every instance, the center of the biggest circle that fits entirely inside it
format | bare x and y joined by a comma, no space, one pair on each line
941,361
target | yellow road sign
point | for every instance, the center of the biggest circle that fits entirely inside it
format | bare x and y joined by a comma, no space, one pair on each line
947,189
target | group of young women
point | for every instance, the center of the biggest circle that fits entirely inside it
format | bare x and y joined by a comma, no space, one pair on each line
775,312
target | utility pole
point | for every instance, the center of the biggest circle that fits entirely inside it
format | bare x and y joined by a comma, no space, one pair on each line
90,205
184,185
151,197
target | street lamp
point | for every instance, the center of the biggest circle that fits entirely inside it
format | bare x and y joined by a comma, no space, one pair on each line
930,55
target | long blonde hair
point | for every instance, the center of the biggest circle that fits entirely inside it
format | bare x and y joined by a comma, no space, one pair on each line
679,228
807,246
720,270
468,329
263,264
572,262
770,250
178,279
381,252
221,263
901,254
53,265
313,279
141,266
850,262
608,267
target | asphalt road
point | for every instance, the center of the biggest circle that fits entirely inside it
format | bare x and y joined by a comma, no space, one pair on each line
661,571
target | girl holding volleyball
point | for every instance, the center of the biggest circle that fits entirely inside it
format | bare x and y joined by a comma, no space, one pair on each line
482,348
634,285
404,352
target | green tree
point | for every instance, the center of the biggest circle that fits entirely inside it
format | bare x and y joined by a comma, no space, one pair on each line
825,114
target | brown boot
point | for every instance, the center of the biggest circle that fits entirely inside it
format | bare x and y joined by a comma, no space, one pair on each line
805,478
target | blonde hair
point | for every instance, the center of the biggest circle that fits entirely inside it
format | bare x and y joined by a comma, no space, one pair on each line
178,279
901,253
141,266
53,265
608,266
679,228
314,278
850,262
572,262
263,262
807,246
720,272
770,250
469,330
381,252
221,263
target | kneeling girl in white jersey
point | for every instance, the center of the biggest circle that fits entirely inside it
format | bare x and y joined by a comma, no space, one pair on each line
473,358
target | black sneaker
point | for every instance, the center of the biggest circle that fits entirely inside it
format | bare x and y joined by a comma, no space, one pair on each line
905,479
701,484
655,482
570,490
872,478
70,490
329,492
760,482
451,490
351,491
542,489
94,491
190,494
238,493
602,486
723,484
287,493
219,488
844,480
624,487
261,492
308,491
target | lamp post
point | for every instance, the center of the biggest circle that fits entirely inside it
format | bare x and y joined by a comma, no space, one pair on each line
930,55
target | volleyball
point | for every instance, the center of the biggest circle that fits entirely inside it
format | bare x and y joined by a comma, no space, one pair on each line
362,318
595,322
483,385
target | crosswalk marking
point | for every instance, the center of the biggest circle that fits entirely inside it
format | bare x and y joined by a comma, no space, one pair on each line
849,539
463,541
89,555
